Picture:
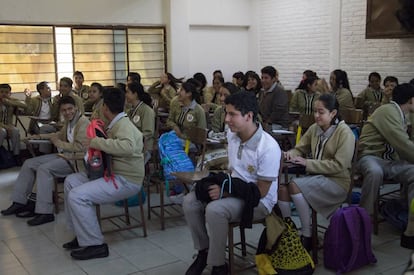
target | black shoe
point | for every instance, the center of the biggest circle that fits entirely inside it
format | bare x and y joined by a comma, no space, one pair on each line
28,211
407,241
73,244
306,242
91,252
220,270
13,209
197,267
41,219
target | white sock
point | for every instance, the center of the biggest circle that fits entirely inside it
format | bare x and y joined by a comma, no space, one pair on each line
285,208
303,208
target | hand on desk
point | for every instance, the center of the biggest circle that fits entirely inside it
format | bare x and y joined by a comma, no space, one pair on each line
295,160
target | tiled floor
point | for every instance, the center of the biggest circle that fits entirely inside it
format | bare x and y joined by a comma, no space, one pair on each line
37,250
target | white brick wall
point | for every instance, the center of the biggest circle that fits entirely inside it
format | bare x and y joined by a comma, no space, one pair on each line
296,35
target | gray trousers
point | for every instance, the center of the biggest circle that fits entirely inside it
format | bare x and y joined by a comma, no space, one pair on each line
14,138
375,170
41,169
81,196
217,215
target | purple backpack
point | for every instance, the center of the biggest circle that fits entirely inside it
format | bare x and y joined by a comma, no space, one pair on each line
347,242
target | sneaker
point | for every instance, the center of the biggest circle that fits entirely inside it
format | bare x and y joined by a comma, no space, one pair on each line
220,270
197,267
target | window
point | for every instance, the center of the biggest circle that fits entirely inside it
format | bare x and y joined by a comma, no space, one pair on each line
37,53
27,56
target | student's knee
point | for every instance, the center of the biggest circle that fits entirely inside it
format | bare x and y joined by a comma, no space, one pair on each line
190,203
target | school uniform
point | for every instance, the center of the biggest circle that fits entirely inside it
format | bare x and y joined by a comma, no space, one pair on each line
303,102
274,106
125,144
256,159
345,98
385,151
327,185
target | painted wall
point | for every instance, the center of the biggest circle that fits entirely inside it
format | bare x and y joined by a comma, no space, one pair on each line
323,35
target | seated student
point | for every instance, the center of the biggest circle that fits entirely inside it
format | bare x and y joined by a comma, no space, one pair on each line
306,74
167,87
7,128
43,169
390,82
188,114
142,115
273,101
82,90
254,158
41,107
96,99
217,122
372,95
253,83
340,88
125,144
212,98
203,89
385,151
238,79
303,99
65,89
133,77
331,143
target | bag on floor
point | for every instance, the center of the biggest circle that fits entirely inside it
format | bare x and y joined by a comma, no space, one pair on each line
6,158
395,212
287,256
347,242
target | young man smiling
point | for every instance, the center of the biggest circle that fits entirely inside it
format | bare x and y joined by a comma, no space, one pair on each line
254,158
44,168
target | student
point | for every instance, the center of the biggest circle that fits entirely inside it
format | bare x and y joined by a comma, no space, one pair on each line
385,151
217,122
43,169
96,100
306,74
340,88
212,97
203,90
7,128
303,101
253,83
41,107
124,144
81,90
133,77
254,157
142,115
390,82
189,114
238,79
372,95
167,88
273,101
331,143
65,89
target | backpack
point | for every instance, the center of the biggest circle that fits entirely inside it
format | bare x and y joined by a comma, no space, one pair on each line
347,242
172,155
395,212
98,163
287,256
6,158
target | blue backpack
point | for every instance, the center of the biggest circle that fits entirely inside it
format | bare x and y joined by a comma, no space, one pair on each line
172,155
347,243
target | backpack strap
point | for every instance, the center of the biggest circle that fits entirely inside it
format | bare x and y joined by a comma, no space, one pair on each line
354,231
367,229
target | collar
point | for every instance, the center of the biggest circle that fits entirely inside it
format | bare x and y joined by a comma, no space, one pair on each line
115,120
192,106
271,88
399,109
253,142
